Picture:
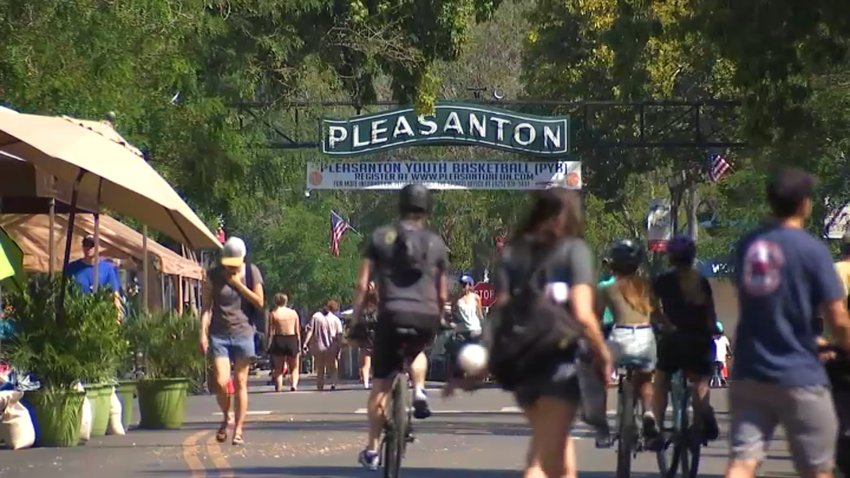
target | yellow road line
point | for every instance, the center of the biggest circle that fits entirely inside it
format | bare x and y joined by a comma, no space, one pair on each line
218,460
190,455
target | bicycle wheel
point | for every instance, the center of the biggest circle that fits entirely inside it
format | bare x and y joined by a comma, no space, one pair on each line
693,443
397,423
669,452
626,428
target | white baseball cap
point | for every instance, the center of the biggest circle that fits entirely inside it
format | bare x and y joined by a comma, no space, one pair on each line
233,252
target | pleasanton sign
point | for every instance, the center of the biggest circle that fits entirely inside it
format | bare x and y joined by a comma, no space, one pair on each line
451,123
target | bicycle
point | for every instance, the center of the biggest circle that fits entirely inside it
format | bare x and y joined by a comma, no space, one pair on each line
398,431
629,427
682,441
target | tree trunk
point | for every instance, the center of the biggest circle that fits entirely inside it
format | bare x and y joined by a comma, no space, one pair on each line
693,204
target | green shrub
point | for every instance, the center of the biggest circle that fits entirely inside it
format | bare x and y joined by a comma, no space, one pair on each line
167,345
87,345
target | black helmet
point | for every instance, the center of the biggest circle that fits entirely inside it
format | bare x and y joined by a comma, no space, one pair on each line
414,198
625,256
682,250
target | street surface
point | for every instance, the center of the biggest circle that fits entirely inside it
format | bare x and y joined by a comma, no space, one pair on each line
311,434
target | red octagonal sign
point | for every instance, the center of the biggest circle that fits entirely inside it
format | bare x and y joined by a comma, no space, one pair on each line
487,293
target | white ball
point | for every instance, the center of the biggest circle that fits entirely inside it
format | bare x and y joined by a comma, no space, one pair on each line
473,359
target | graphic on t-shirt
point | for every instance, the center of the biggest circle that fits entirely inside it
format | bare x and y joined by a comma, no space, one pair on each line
763,263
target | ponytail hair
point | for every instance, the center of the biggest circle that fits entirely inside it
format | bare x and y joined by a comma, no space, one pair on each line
636,292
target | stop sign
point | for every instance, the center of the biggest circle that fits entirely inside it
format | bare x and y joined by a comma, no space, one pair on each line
486,292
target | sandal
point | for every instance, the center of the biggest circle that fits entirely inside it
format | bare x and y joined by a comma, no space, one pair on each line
238,440
221,434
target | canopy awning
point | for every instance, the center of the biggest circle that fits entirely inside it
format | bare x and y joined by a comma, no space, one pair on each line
110,172
117,241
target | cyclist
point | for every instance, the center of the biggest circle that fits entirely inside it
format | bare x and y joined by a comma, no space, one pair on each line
687,307
631,303
409,263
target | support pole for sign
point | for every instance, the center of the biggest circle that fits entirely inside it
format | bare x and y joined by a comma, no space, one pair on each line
144,268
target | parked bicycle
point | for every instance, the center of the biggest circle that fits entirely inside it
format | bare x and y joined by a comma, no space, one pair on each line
678,448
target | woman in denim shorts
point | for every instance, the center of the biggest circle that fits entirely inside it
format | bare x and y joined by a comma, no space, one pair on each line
232,293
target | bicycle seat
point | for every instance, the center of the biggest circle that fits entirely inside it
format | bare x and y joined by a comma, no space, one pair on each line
406,332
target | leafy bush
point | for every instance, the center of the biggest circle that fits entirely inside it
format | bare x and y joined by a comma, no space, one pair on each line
167,344
86,345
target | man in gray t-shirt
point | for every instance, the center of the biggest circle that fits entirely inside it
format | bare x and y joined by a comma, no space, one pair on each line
409,263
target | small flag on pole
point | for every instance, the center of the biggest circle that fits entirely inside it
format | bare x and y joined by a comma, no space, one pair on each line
717,167
339,227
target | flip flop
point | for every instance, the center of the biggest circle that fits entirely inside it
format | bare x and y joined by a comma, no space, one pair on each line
238,440
221,434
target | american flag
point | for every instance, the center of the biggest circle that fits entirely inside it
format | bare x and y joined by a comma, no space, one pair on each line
220,234
339,227
717,167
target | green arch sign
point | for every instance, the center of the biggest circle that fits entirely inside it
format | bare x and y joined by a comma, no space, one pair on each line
451,123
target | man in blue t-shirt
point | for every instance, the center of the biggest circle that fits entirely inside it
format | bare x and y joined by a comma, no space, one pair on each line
82,271
785,277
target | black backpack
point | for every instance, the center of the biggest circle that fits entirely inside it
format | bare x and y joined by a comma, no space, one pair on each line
530,329
256,317
410,250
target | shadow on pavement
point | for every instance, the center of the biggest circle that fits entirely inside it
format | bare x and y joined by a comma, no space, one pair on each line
359,425
340,471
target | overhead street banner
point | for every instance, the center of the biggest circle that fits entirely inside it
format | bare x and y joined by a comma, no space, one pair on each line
510,175
451,123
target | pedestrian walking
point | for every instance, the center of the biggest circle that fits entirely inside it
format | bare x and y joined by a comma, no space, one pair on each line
545,288
362,333
232,294
284,330
324,339
785,277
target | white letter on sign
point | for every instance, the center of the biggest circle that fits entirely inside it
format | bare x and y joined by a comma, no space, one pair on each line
453,122
357,142
518,134
336,134
377,130
402,127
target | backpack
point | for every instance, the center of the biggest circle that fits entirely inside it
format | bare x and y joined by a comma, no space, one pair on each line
256,317
530,329
410,250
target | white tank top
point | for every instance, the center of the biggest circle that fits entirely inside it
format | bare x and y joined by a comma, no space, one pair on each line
468,316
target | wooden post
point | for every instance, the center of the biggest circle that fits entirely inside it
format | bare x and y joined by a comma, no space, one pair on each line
145,280
51,238
179,295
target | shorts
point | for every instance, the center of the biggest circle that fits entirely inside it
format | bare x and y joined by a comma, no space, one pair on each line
284,346
807,414
559,380
636,344
391,349
233,347
688,352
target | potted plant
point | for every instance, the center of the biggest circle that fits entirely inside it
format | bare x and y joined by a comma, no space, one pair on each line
61,352
168,346
107,347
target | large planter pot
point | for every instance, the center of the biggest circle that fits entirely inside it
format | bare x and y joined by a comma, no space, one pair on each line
58,414
100,396
126,391
162,403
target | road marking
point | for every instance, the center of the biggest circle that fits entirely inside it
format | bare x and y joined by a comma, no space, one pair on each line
219,462
190,455
250,412
362,411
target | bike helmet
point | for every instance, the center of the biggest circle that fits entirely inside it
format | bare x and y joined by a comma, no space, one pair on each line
718,327
682,250
625,256
414,198
467,279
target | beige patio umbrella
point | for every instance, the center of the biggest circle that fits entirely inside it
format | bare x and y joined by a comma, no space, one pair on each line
104,168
